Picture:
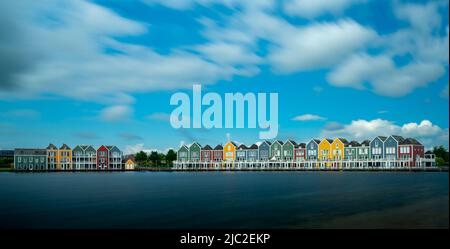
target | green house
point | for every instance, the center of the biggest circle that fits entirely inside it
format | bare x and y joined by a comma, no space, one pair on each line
351,150
276,150
183,154
194,152
288,150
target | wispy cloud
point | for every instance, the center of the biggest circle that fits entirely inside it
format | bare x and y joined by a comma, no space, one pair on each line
130,136
161,116
116,113
308,117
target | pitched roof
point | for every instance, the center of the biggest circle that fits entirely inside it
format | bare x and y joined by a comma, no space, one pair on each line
64,147
343,140
317,141
253,146
207,147
30,151
267,142
365,142
354,144
410,140
429,152
278,141
329,140
51,147
196,144
399,139
218,147
382,138
291,141
242,147
302,145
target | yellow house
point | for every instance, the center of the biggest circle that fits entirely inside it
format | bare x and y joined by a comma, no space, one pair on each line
130,164
64,158
337,148
325,149
52,157
229,151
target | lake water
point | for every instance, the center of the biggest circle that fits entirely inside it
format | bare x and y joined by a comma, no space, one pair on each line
224,200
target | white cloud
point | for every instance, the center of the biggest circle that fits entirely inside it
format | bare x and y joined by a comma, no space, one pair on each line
314,8
133,149
308,117
318,45
228,54
159,116
383,76
116,113
428,133
68,49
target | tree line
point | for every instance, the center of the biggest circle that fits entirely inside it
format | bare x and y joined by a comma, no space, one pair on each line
155,159
441,154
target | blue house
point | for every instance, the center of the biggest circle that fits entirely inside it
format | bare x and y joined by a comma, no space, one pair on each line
264,151
312,149
241,153
252,153
377,147
391,147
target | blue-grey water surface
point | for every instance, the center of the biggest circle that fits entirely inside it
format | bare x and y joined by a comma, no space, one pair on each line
224,200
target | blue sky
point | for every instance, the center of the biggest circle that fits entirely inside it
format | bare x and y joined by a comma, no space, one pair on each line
102,72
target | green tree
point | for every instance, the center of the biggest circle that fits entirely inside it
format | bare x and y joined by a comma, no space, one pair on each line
440,161
161,159
154,158
170,157
141,157
440,151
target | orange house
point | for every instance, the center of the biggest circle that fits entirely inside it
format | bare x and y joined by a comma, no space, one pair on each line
229,152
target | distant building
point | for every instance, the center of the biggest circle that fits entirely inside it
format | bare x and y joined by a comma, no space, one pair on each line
84,157
183,154
300,152
109,158
264,151
30,159
312,149
218,153
241,153
229,151
276,150
129,162
52,156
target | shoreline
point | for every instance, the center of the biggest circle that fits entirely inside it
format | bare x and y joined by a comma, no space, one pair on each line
444,169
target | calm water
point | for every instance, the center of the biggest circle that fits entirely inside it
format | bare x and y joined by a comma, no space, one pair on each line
224,200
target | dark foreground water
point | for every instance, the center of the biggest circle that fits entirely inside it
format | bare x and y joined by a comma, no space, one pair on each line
224,200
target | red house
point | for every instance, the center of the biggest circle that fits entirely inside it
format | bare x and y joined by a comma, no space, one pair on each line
206,154
102,158
217,155
410,149
300,152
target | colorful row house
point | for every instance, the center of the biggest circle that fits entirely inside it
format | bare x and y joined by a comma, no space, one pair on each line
325,152
59,159
109,158
84,157
30,159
